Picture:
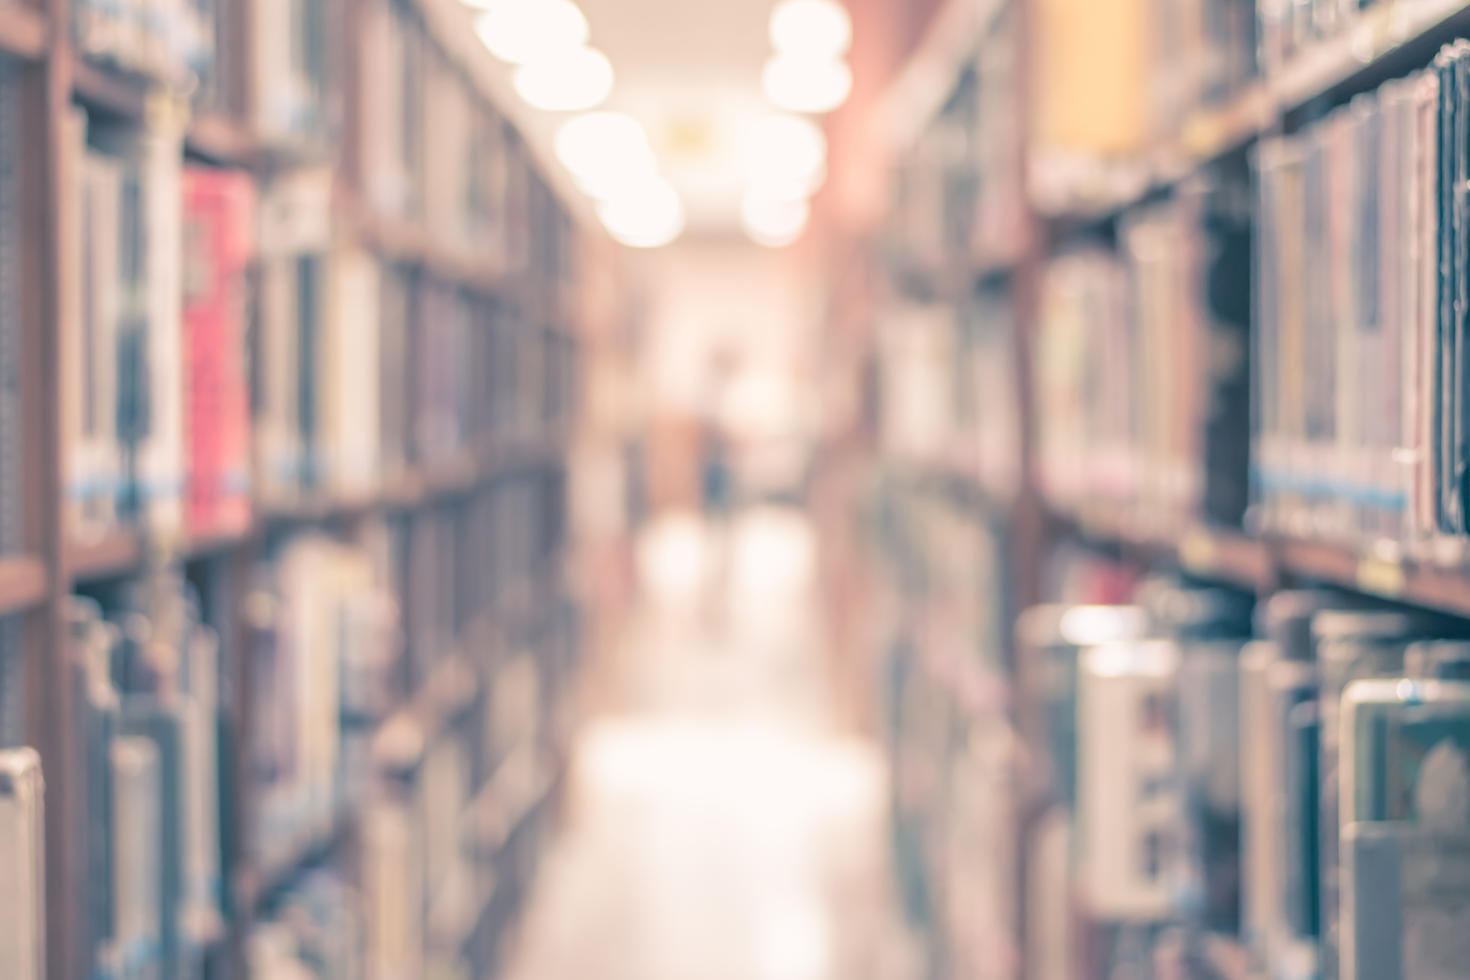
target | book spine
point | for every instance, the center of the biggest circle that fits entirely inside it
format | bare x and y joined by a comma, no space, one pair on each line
12,424
23,864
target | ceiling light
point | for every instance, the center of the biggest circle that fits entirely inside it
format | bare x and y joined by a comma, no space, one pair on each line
566,81
646,215
785,156
605,151
804,85
774,222
818,29
522,31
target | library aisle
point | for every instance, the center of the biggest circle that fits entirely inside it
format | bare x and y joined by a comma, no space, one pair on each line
716,827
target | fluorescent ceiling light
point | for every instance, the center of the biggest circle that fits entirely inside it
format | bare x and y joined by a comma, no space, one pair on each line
522,31
773,222
606,152
646,215
804,85
566,81
785,156
816,29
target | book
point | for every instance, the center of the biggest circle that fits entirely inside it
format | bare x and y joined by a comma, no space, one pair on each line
95,457
1405,850
219,244
291,72
137,799
23,861
13,421
295,239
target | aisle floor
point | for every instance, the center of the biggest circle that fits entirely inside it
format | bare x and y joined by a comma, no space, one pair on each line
717,828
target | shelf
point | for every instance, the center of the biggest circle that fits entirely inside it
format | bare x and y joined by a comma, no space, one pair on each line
222,141
406,241
1218,554
1207,134
23,583
1261,564
116,554
108,91
1389,39
258,885
1443,589
22,30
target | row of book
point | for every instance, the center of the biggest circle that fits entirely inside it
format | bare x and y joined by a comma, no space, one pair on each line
947,390
1143,363
147,681
1359,406
357,369
1116,78
957,188
1289,779
1288,27
950,744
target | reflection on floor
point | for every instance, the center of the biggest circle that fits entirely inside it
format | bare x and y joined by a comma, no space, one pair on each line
716,829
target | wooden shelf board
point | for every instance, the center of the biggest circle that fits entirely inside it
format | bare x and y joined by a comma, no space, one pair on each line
118,553
221,140
23,30
105,90
1444,589
1262,563
1367,48
204,545
24,583
1219,554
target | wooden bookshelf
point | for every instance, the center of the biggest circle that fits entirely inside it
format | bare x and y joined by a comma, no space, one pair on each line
24,583
41,582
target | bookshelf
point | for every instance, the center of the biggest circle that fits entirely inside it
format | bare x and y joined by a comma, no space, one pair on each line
1113,491
430,502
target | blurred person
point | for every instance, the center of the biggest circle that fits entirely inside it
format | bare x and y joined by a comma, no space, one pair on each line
717,478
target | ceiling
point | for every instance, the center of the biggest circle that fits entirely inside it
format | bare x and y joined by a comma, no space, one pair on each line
690,72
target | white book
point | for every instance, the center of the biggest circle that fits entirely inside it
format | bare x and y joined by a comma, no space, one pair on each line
202,875
295,220
347,382
22,866
384,183
446,167
1129,809
136,879
395,898
74,232
160,455
97,456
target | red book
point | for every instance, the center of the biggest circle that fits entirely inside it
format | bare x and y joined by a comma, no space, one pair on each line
219,223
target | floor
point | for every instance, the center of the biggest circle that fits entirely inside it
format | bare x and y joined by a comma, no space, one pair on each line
717,828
